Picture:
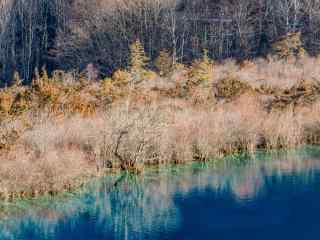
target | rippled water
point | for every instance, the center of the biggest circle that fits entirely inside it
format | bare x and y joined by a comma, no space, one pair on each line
267,197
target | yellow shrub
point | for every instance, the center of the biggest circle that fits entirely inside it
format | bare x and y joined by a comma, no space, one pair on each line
267,89
289,47
78,103
121,78
59,76
106,86
22,102
6,100
164,63
231,87
148,74
7,138
201,70
47,89
179,67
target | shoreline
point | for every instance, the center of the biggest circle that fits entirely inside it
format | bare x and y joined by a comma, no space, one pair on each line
115,178
14,197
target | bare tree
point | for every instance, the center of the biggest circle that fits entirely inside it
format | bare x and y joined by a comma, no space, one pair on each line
71,34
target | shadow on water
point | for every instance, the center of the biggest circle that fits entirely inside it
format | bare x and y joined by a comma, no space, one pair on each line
261,196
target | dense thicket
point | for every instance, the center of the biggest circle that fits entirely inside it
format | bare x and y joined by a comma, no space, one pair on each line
70,34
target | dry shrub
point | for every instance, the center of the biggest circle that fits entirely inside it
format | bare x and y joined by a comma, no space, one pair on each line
271,73
131,138
117,86
303,93
306,91
180,137
283,130
121,78
82,103
243,116
49,134
51,156
202,134
311,122
247,64
202,96
9,133
53,172
154,121
231,87
6,101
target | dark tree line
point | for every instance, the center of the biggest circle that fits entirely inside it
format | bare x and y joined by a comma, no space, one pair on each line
28,30
70,34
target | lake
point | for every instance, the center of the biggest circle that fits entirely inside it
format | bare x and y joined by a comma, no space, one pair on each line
266,196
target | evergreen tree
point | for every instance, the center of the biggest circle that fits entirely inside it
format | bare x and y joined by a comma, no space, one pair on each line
138,60
289,47
201,69
164,62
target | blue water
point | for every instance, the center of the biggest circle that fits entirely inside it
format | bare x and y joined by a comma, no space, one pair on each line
267,197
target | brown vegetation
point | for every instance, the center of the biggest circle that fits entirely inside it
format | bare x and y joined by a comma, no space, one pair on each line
68,127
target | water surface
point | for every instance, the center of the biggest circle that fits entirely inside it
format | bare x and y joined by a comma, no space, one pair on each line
270,196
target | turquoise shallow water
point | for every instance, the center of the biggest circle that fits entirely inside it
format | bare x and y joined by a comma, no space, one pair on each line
270,196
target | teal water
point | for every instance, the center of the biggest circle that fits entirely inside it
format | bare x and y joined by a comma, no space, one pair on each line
270,196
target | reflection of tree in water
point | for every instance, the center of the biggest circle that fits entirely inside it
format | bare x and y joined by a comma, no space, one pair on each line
136,205
139,205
